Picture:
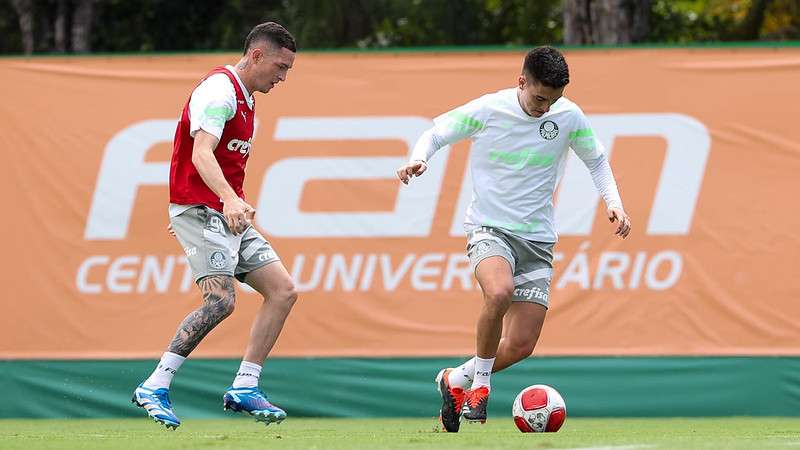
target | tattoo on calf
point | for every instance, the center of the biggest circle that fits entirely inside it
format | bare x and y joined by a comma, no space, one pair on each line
218,300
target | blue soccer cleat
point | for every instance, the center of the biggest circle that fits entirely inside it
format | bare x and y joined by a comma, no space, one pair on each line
254,402
157,404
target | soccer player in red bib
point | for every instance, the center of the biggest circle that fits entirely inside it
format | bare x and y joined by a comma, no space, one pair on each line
212,222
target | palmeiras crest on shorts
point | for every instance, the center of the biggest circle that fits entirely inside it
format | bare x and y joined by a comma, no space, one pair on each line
217,260
548,130
482,248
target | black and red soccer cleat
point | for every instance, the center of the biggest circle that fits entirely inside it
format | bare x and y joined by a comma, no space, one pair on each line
475,401
452,402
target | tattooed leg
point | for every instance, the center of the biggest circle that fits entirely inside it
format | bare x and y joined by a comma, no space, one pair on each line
218,301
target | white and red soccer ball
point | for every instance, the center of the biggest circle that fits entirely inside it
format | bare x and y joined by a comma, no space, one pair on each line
539,408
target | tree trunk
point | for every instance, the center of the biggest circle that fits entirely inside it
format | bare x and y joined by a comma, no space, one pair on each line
750,27
81,26
577,22
60,34
608,22
24,10
639,13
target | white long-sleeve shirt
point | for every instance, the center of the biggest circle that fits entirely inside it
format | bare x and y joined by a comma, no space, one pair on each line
516,160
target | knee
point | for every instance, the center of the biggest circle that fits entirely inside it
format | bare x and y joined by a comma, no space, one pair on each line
219,297
285,296
498,298
218,307
226,305
521,350
521,346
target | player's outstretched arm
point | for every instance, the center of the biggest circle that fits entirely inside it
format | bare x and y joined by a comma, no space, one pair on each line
236,211
449,128
427,145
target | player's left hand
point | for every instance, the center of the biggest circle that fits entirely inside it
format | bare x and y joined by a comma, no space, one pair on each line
411,169
618,215
170,230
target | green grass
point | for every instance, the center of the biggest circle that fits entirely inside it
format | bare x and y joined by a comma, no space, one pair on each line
498,433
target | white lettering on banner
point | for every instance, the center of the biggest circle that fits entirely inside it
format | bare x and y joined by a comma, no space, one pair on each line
316,274
615,266
612,265
124,169
339,270
149,273
426,266
278,209
159,274
369,272
424,272
82,278
675,267
458,267
392,280
436,271
118,273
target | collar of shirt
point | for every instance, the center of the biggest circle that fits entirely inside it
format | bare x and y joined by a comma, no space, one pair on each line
247,95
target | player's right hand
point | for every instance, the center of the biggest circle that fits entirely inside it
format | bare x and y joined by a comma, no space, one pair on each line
238,214
411,169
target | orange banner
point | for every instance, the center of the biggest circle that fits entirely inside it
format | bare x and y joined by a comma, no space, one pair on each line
704,145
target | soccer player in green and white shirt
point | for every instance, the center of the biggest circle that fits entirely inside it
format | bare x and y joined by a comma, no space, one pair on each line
520,141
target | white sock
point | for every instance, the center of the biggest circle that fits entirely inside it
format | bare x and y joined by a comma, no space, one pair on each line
247,376
164,371
462,375
483,371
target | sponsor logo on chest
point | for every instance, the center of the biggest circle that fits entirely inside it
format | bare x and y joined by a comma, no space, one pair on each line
238,145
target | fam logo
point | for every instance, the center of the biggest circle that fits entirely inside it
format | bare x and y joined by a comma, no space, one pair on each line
125,167
548,130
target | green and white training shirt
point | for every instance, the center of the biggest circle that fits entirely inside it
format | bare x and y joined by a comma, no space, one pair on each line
516,160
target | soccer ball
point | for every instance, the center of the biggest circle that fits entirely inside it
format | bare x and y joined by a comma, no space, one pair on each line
539,408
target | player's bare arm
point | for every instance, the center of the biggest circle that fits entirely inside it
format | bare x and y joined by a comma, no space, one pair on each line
236,211
411,169
218,301
624,222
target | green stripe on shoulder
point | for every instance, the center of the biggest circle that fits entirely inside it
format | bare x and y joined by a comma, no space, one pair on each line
583,132
216,112
464,122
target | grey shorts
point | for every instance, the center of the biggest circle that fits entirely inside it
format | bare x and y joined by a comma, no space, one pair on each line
531,262
212,249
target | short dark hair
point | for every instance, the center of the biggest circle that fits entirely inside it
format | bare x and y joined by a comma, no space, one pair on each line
271,32
547,66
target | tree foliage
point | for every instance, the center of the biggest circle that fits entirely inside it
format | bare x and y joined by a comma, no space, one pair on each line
183,25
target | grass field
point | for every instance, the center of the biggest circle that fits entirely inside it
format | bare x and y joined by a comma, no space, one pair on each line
595,434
